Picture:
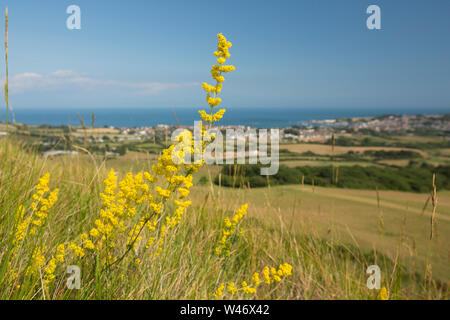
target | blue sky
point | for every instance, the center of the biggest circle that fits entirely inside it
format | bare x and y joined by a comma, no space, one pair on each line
299,54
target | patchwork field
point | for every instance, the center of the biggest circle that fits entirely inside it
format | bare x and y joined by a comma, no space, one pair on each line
322,149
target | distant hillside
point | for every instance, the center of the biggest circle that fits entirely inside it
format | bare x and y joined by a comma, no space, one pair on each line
413,178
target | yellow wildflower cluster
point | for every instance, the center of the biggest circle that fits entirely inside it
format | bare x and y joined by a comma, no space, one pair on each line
230,228
21,225
270,275
121,200
211,119
217,73
219,291
39,206
76,249
43,201
177,184
37,261
222,48
53,263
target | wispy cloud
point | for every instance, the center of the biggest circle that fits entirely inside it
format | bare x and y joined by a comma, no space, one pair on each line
62,79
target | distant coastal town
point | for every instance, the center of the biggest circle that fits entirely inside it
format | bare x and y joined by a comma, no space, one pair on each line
314,129
109,140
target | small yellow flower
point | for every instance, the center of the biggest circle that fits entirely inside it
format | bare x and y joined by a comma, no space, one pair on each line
266,275
60,251
255,279
229,229
219,292
94,233
247,289
89,245
285,270
384,294
231,288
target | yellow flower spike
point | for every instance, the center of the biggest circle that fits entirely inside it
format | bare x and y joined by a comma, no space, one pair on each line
39,207
49,271
230,228
114,230
37,261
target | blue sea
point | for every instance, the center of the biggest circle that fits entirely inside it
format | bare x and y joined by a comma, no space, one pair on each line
256,117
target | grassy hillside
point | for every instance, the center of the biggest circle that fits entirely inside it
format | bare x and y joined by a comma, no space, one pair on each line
329,238
397,222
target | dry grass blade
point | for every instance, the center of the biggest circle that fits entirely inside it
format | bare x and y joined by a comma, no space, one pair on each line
6,80
434,202
84,130
426,204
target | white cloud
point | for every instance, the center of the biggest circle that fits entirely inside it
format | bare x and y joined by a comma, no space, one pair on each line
62,79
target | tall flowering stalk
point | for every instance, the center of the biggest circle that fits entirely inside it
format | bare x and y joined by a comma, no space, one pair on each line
43,201
139,211
27,226
217,72
230,231
6,81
